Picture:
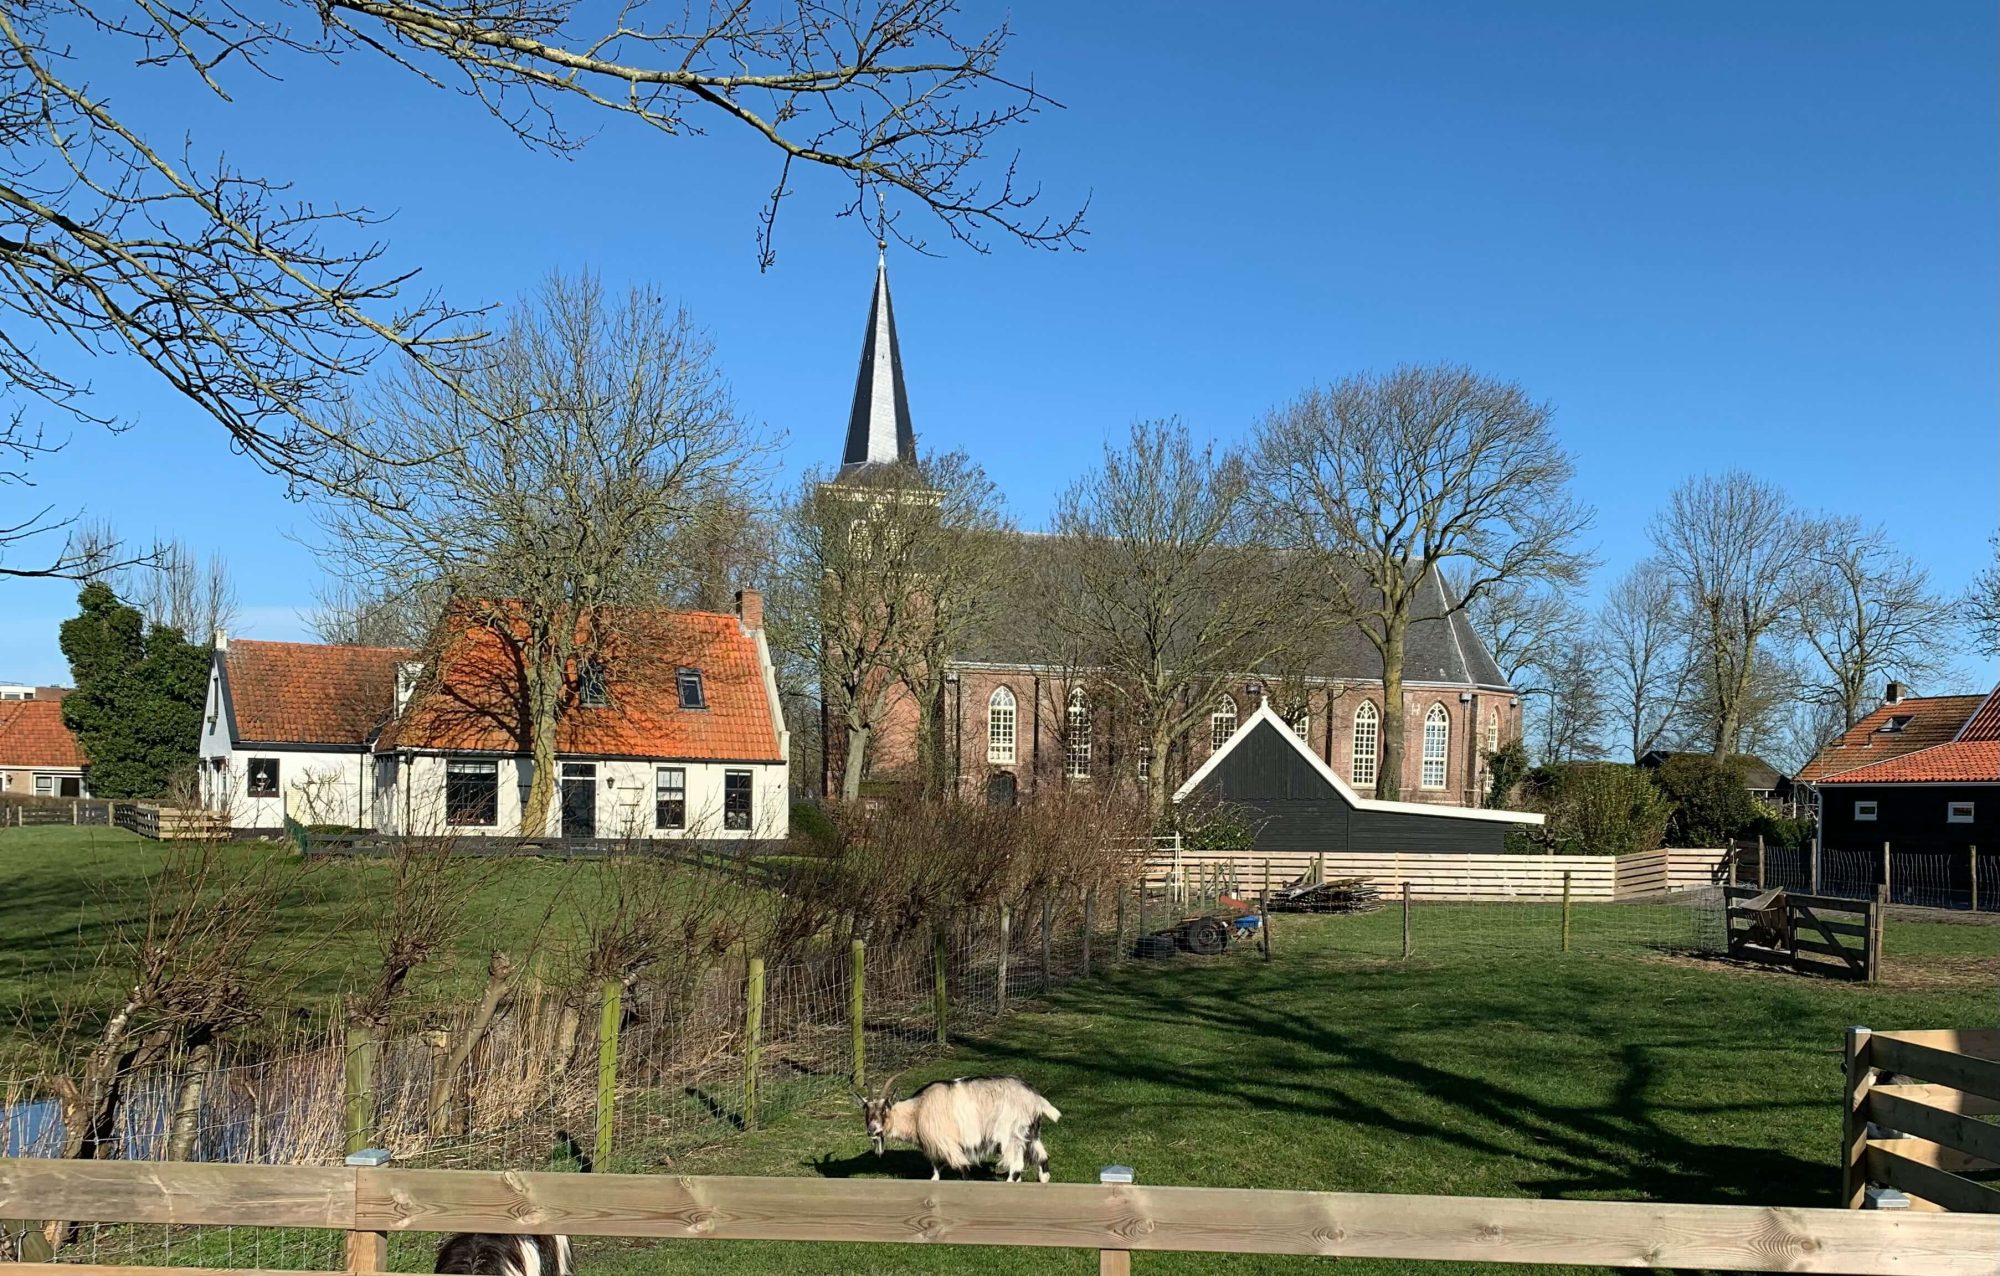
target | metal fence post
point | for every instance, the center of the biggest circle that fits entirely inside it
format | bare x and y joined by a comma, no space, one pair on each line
610,1018
753,1040
1972,862
1565,917
856,1008
1406,921
1000,986
1048,925
1089,923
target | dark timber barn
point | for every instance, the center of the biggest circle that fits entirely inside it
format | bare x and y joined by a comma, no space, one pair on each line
1297,803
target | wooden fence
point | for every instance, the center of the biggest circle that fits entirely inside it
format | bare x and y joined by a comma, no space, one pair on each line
1806,932
1114,1219
1916,1119
1446,876
164,823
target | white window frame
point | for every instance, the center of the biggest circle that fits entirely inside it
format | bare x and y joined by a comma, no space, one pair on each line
1076,736
1864,812
1003,717
746,820
45,786
1363,777
1300,722
1493,730
1222,722
1958,812
250,788
1436,772
1145,761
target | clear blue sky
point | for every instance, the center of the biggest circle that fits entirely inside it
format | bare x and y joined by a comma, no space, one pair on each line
1711,234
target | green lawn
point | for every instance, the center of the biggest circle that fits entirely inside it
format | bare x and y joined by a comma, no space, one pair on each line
64,890
1588,1076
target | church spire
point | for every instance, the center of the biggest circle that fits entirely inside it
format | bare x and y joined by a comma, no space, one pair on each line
878,425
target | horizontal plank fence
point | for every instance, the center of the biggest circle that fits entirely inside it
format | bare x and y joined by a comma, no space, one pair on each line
1919,1117
1114,1219
1454,876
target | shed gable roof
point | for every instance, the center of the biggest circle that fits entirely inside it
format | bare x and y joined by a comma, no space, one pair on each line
1929,721
1266,718
310,693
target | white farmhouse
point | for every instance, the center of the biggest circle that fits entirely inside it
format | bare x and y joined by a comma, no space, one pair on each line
670,728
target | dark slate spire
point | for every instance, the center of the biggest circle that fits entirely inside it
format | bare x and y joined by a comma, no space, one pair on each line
878,425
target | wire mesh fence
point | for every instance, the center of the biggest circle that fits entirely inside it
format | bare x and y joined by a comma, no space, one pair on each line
1962,878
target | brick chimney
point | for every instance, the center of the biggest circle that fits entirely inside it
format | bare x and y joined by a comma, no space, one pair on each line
1894,695
750,609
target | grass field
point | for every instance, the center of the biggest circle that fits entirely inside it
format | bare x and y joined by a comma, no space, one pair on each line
67,889
1578,1077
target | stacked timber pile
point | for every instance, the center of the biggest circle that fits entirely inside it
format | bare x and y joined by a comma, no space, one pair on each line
1349,895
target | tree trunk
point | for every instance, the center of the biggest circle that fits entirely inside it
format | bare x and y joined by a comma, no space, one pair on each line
499,977
1157,793
544,696
181,1141
1389,769
857,755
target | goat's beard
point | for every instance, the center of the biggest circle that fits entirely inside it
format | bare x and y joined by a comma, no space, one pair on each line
875,1141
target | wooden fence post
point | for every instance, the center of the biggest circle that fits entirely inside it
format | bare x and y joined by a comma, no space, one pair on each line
1118,925
1886,891
941,1006
1048,925
1812,850
1089,923
609,1019
1972,863
1006,938
1762,884
363,1046
1565,921
1142,910
1264,912
753,1040
1854,1121
1406,921
856,1003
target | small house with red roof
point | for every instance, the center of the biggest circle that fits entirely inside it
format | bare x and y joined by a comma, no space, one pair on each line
1920,773
38,755
668,727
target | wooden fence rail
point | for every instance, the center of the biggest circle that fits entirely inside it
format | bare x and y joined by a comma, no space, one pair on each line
1923,1130
1456,876
1114,1219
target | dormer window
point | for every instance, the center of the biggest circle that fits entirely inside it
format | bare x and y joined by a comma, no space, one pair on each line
691,693
1896,722
591,691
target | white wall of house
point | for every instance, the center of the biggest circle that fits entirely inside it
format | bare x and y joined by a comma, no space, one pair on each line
624,792
317,786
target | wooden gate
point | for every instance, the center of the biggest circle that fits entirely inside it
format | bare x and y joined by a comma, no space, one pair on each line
1840,937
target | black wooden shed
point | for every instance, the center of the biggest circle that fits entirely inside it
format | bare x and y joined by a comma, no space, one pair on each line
1298,803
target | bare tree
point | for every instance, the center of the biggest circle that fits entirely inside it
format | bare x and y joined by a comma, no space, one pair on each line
1522,627
259,306
352,612
88,550
1867,612
1154,578
176,590
1572,695
881,577
1738,554
1645,656
558,486
1384,480
1981,605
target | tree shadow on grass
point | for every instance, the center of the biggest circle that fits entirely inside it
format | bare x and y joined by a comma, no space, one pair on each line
1307,1068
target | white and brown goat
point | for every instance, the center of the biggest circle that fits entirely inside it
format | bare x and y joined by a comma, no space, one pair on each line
964,1122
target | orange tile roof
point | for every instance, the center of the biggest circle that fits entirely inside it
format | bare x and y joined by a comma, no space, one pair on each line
474,701
1933,720
32,734
1963,761
310,693
1985,724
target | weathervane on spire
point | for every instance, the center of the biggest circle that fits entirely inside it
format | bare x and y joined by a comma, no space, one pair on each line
881,225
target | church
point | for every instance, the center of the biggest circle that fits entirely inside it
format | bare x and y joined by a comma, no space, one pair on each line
1013,727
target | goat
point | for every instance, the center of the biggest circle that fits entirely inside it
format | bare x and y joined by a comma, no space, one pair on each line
962,1122
488,1254
492,1254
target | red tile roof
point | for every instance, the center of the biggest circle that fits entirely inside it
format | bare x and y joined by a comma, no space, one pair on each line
32,734
310,693
1932,720
1964,761
1985,724
474,702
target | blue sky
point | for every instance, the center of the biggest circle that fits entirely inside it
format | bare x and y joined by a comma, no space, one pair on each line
1709,234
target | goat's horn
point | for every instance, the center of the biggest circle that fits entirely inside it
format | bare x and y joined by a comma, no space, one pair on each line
889,1085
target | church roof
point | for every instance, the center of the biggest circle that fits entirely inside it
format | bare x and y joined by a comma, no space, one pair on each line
878,424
